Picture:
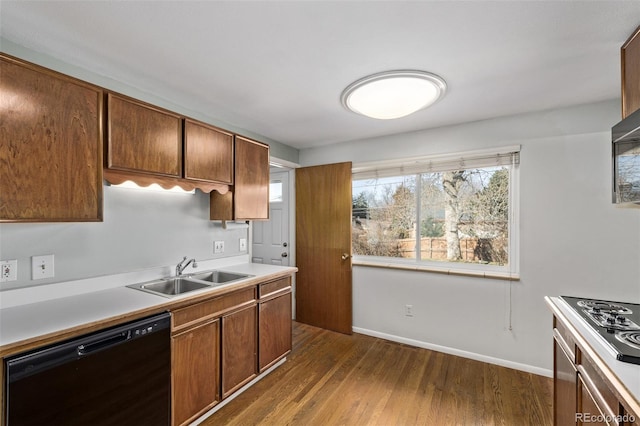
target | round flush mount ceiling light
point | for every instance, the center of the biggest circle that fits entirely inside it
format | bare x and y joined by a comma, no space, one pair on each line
393,94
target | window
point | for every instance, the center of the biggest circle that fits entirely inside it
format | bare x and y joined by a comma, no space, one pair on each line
456,213
275,192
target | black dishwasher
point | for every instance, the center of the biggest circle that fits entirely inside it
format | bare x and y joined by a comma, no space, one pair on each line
117,376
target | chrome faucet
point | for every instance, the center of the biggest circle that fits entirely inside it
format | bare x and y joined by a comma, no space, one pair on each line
180,267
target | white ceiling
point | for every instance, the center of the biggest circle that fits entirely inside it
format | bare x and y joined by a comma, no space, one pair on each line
277,68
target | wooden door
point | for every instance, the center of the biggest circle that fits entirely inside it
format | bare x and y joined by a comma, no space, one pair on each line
323,246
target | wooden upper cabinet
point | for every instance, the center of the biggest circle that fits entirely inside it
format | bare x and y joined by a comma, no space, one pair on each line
251,187
208,153
249,198
50,145
143,138
630,57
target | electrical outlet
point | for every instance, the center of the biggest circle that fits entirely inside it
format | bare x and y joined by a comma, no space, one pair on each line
42,267
408,310
8,270
243,244
218,247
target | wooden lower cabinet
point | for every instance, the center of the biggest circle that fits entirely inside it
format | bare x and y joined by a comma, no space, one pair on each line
274,319
564,385
195,373
583,392
239,349
589,412
216,344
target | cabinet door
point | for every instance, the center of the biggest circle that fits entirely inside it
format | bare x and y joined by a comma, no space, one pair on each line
251,186
588,411
208,153
143,138
564,387
195,357
630,56
50,146
239,341
274,330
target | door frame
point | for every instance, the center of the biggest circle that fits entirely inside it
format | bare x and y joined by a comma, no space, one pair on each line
288,167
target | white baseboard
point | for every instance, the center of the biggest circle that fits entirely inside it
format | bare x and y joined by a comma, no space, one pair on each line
452,351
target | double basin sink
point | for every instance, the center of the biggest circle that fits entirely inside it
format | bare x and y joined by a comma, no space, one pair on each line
175,286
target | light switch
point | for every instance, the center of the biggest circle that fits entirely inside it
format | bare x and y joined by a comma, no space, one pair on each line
42,267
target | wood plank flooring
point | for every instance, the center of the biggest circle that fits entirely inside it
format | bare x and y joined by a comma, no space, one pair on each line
335,379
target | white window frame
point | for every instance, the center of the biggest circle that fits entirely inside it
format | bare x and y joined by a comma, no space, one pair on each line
508,155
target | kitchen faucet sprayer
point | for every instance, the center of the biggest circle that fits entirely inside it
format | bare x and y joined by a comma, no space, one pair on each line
180,267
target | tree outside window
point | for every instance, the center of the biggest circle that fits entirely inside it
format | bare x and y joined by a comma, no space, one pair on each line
448,216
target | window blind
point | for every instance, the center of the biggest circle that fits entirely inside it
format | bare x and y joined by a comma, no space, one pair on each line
504,156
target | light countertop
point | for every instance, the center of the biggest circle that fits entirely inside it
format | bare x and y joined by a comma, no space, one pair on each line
53,310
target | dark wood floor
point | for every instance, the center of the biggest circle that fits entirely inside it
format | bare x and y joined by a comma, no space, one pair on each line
335,379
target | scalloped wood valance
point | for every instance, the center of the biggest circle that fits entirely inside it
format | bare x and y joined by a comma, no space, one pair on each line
117,177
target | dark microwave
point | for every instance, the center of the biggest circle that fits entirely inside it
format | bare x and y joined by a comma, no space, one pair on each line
626,160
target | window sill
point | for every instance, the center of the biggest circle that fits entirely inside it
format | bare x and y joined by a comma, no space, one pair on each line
446,271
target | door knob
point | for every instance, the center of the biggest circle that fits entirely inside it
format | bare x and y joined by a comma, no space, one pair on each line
345,256
284,254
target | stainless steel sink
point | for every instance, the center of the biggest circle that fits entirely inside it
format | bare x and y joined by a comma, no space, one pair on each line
218,277
169,287
175,286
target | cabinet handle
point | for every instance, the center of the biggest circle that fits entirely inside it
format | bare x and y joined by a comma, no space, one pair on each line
345,256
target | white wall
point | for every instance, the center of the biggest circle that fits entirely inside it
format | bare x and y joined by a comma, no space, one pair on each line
140,230
573,241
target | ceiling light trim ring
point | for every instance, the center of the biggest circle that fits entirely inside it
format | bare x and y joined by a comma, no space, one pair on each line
438,83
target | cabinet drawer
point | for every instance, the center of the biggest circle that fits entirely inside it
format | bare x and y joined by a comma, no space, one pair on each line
565,338
185,317
589,412
272,287
598,387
